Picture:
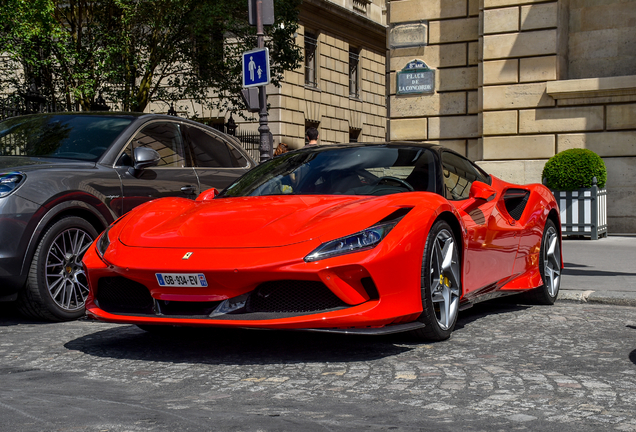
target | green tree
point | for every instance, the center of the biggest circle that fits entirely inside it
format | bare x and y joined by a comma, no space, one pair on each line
137,51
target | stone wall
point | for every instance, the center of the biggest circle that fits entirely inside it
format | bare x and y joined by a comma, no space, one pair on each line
602,38
551,75
450,114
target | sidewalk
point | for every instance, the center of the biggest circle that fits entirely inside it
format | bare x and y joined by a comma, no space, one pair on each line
600,271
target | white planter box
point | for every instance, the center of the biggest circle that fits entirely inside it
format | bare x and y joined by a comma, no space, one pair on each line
583,212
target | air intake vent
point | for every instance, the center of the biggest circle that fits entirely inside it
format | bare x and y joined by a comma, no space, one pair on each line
293,296
122,295
516,200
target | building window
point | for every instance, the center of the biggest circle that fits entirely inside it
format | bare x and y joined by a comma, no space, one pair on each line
311,43
354,73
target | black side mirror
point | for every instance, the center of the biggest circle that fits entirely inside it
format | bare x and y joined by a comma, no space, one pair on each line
143,158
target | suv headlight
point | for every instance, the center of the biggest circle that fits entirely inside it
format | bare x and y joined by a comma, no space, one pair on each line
9,182
360,241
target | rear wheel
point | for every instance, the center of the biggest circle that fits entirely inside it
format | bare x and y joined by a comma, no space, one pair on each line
549,267
441,284
57,287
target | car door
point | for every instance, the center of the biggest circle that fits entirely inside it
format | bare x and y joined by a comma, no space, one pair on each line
171,177
492,242
216,161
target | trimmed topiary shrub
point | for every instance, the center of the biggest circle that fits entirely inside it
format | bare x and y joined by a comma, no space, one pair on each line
574,169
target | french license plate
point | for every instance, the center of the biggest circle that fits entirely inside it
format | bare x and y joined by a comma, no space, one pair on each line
182,279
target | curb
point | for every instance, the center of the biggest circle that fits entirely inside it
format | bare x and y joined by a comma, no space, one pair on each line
617,298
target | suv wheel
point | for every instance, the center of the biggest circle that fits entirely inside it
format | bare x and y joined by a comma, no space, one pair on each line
57,287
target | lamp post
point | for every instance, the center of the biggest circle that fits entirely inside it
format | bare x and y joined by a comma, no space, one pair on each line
231,126
265,147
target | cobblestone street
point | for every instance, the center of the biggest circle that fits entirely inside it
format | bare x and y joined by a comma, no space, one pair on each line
569,367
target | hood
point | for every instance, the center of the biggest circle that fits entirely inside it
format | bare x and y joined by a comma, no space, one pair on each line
27,164
251,222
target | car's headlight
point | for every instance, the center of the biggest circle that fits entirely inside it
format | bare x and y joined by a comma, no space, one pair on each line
103,242
363,240
104,239
9,182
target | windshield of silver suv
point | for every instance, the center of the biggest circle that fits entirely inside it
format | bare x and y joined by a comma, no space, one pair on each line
60,136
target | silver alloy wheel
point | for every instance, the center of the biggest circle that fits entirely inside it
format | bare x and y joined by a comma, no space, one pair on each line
551,262
65,279
445,279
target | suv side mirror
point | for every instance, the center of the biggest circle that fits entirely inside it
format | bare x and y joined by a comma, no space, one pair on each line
145,157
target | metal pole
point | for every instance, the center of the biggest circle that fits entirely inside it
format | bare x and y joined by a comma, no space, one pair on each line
265,147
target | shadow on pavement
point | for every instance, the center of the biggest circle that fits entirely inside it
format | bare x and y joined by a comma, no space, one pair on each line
9,316
493,307
248,347
568,265
570,270
233,346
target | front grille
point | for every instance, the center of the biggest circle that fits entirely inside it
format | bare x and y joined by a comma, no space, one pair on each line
293,296
119,294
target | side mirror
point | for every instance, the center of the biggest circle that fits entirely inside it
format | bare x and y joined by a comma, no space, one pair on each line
145,157
481,191
207,195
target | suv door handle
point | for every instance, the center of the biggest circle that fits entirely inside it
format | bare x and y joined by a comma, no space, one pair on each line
189,189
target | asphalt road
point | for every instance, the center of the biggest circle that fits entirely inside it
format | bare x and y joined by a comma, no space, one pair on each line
568,367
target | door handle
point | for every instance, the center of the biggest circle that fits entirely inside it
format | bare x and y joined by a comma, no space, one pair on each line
189,189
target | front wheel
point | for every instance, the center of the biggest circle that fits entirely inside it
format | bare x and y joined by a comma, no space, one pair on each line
441,284
57,287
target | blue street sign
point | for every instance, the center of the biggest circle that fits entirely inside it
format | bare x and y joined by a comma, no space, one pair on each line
256,68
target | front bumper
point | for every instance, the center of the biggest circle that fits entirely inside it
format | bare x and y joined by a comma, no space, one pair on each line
17,225
373,288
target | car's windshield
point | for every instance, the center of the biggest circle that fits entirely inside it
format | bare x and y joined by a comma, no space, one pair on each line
360,170
60,136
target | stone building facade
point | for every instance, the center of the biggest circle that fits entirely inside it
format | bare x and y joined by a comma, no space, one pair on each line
517,81
345,95
339,88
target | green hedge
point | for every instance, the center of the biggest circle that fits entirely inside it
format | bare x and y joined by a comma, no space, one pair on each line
573,169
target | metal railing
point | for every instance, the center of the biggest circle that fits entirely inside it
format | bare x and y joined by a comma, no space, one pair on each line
251,142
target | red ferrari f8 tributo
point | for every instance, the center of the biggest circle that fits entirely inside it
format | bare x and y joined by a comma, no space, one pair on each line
355,238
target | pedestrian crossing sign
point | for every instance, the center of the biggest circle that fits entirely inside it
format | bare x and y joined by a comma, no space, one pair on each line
256,68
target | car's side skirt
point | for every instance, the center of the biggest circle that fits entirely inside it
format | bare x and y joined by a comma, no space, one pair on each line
397,328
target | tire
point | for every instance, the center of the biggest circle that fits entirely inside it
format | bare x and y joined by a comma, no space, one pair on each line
549,267
57,287
441,284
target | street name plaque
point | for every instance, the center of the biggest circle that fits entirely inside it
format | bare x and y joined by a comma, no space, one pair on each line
415,78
